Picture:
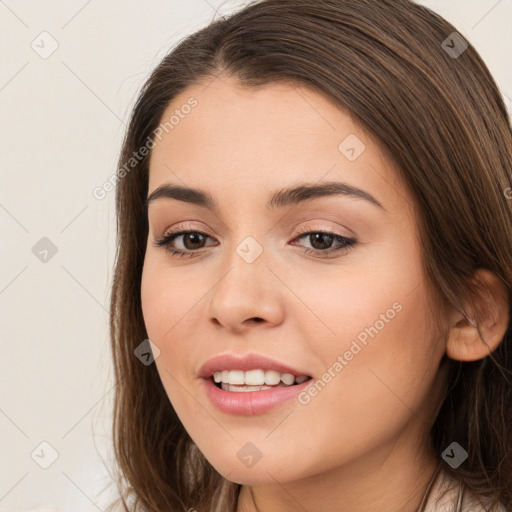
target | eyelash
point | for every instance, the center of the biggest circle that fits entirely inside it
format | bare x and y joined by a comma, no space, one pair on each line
166,240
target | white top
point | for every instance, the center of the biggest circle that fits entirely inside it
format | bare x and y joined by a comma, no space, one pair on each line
446,489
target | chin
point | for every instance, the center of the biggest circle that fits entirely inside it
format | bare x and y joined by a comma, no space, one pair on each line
251,476
261,472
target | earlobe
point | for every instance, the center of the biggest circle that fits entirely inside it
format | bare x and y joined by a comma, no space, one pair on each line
476,336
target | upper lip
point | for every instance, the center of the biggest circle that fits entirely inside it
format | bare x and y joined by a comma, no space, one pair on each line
245,362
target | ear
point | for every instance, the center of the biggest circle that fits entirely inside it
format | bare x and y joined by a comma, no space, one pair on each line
488,317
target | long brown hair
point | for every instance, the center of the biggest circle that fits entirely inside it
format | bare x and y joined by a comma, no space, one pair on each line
442,120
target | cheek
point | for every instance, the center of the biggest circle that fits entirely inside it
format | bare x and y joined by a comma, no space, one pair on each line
167,299
388,360
379,292
380,341
171,307
155,306
164,308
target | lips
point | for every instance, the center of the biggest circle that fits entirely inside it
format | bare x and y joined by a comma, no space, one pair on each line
230,400
245,363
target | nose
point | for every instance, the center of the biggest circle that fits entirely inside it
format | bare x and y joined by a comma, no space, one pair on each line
247,294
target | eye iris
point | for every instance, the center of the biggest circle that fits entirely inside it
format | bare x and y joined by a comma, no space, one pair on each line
193,236
321,237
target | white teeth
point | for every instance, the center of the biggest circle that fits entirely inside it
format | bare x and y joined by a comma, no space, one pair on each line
288,378
259,377
272,377
236,377
242,389
254,377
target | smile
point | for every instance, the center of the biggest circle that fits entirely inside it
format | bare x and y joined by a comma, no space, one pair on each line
248,384
246,400
254,380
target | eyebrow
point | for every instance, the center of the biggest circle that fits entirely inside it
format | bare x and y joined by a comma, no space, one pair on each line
279,199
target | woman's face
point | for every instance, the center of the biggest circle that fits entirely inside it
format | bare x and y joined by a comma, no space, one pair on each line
351,316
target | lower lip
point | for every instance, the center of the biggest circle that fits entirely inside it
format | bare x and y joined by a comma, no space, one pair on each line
248,403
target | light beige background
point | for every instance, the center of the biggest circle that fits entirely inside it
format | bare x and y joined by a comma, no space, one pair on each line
63,118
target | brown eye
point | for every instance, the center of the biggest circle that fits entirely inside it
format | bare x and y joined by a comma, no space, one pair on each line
196,240
191,242
322,243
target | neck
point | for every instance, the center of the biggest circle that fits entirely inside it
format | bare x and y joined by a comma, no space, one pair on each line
392,480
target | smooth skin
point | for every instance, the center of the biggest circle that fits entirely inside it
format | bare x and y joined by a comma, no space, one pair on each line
361,443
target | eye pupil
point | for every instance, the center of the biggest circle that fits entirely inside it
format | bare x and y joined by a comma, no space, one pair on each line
321,237
194,236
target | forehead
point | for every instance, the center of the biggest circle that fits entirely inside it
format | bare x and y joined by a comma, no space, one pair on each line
237,140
